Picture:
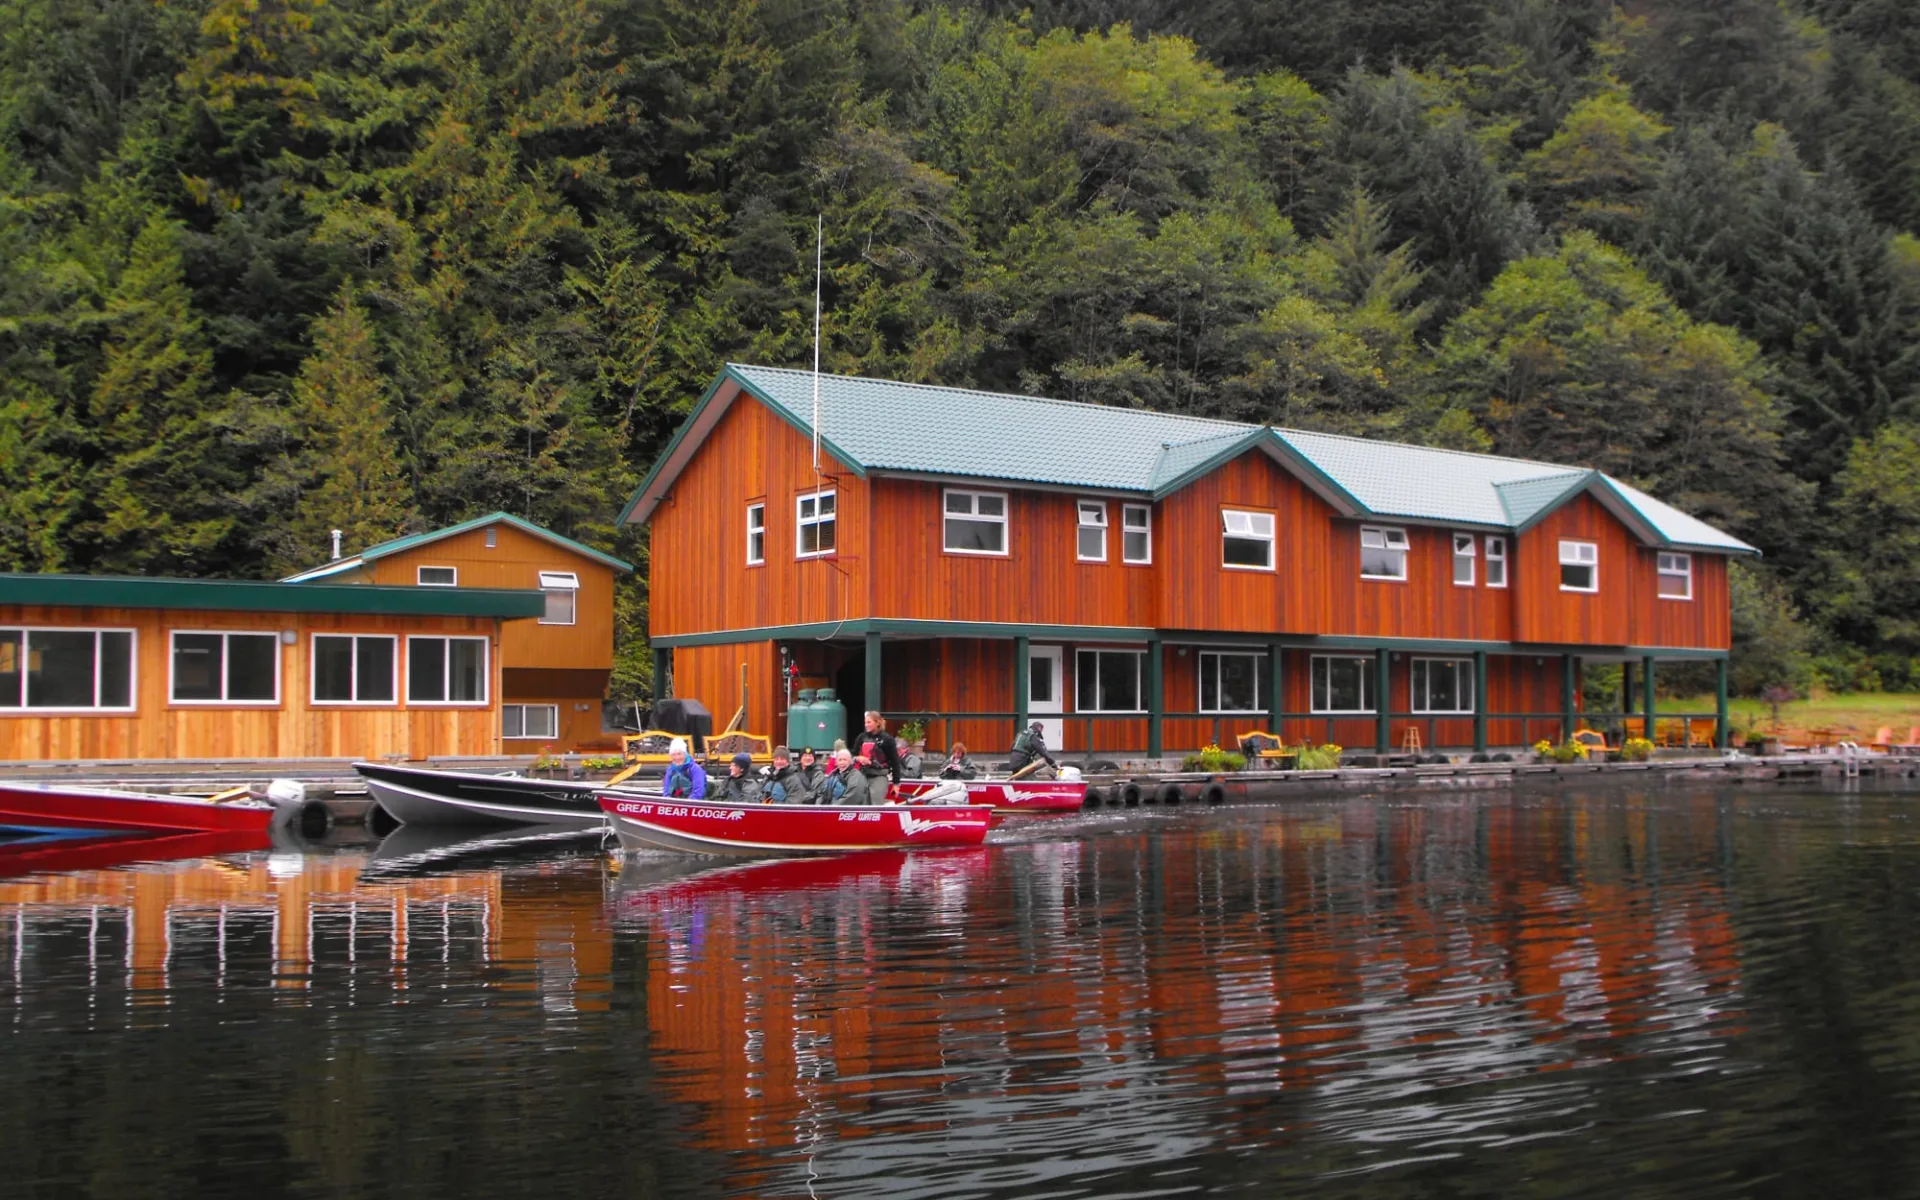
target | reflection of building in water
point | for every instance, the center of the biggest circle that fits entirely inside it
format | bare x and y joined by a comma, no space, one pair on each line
285,918
1306,961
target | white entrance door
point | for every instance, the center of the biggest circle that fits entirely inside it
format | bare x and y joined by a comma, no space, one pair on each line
1044,692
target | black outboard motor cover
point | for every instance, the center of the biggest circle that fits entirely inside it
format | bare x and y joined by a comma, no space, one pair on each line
687,717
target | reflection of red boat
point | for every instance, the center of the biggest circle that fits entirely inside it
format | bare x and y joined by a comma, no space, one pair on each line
653,822
38,808
1009,795
785,876
98,853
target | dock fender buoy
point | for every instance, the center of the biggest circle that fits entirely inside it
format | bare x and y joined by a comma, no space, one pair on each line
313,819
1130,795
1094,797
1213,793
1170,794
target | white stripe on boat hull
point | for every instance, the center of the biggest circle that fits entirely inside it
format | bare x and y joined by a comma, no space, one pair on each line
411,806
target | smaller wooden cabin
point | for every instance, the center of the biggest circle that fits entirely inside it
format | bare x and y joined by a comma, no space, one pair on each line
115,667
554,669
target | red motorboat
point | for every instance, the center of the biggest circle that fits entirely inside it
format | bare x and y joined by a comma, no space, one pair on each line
1007,795
654,822
46,808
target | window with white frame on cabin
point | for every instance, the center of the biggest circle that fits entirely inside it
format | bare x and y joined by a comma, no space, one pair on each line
1341,684
1136,533
1233,681
66,669
1675,576
1442,685
1091,540
1579,566
353,668
1246,540
562,589
815,515
446,670
437,576
975,522
225,668
529,720
1496,562
1383,552
1109,681
1463,556
756,534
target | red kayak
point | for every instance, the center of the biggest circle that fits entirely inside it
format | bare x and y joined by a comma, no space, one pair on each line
654,822
44,808
1008,795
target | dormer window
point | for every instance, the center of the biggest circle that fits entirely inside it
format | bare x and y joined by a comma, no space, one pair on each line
1579,566
1383,553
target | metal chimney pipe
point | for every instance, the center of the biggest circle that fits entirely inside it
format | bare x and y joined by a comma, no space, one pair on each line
336,544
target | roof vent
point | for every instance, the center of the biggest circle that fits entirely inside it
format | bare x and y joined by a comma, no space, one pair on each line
336,545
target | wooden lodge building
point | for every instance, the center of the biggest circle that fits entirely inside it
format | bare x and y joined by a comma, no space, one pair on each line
490,637
1148,582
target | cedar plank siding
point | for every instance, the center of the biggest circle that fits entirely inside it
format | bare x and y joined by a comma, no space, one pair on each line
1705,620
711,674
700,580
295,728
1543,612
1197,592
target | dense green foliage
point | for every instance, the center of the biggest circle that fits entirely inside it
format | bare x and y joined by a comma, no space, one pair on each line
273,267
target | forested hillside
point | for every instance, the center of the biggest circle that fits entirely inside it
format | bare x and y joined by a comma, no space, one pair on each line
271,267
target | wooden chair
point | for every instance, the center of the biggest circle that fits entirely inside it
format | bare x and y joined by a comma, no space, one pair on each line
1592,739
1671,732
1702,731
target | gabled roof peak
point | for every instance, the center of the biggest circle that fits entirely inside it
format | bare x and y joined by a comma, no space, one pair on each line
410,541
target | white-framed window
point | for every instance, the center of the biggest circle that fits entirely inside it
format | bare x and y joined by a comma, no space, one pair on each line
814,514
67,670
1383,552
1463,558
224,667
1233,681
493,536
1109,681
1136,533
756,534
529,720
1246,540
1496,561
1342,684
1442,685
446,670
1090,542
437,576
355,668
562,589
975,522
1675,576
1579,566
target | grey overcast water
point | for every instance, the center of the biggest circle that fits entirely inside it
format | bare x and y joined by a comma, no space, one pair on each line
1561,992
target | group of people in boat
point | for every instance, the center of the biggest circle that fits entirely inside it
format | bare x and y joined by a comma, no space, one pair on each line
852,775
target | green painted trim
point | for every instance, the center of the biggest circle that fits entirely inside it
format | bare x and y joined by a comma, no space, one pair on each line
385,549
1305,464
1209,465
679,435
1023,682
241,595
1579,485
1479,701
1156,697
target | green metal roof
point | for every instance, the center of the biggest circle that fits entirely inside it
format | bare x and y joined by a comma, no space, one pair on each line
240,595
395,546
875,425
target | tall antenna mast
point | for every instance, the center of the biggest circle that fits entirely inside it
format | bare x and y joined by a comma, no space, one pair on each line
819,241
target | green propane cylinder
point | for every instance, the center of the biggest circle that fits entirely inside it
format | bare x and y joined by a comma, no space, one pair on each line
827,720
797,714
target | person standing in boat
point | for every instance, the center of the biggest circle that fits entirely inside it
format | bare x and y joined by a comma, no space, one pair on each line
783,782
958,765
740,787
877,755
1031,747
685,779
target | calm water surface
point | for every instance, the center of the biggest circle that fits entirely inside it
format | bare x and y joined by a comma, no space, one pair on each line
1677,993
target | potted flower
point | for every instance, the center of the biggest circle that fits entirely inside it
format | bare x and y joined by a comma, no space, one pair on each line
1636,749
913,732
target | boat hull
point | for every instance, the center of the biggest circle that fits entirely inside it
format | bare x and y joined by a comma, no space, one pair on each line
37,808
1009,795
653,822
420,796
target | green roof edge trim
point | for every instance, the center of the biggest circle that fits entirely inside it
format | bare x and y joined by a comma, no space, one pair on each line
1213,463
693,416
1580,484
396,545
244,595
